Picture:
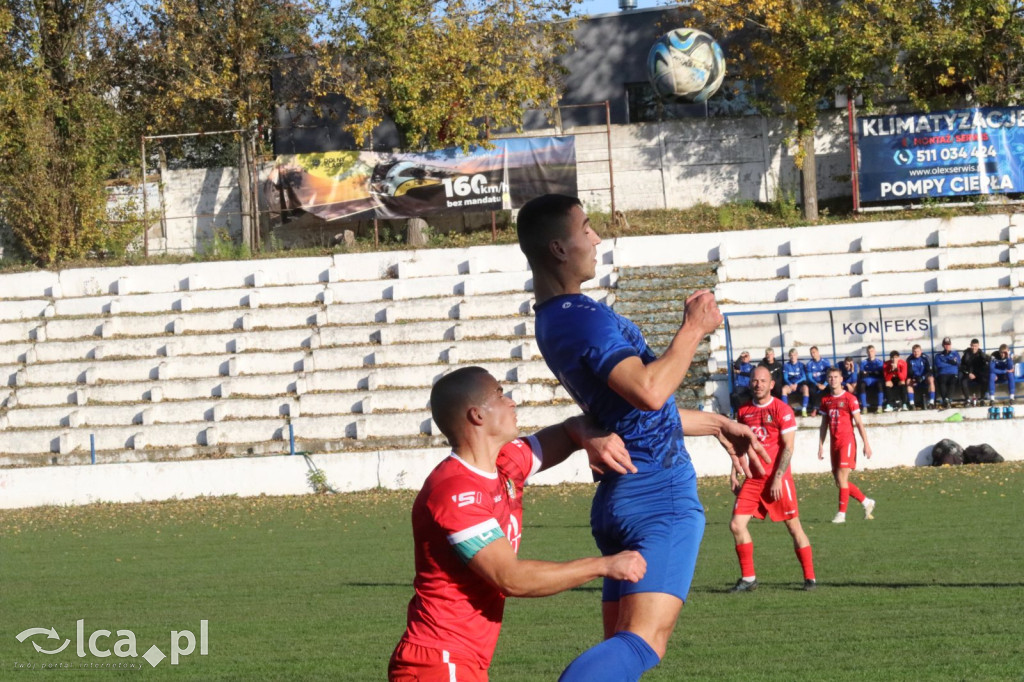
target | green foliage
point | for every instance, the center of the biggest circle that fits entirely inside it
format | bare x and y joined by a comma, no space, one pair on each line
962,52
446,77
804,50
317,479
223,247
60,136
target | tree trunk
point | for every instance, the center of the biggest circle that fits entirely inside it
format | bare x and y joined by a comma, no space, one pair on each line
416,232
809,176
245,198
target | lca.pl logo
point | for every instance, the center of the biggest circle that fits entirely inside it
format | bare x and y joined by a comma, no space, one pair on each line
183,643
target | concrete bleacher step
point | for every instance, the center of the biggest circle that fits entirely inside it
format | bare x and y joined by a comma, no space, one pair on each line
653,298
20,445
864,286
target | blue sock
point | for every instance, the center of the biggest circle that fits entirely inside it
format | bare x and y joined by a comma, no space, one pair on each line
623,658
806,400
931,396
864,400
910,396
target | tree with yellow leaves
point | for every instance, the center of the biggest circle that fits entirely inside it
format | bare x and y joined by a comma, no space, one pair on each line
445,72
207,65
59,130
963,52
804,51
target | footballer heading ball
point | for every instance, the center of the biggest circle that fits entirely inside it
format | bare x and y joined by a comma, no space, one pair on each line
686,65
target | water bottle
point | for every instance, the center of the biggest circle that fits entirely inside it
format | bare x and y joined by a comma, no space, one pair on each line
993,413
1008,412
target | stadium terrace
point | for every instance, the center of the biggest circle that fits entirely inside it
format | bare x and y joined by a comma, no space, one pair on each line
931,123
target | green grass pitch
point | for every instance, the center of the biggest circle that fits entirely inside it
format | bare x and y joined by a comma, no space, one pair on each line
315,587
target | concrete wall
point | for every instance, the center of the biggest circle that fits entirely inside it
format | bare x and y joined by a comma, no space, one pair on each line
672,164
894,445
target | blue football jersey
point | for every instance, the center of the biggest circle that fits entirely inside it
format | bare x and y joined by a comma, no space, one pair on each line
851,375
918,368
872,369
816,370
582,341
793,373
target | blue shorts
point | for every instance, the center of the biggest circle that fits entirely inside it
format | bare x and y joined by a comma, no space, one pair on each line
657,514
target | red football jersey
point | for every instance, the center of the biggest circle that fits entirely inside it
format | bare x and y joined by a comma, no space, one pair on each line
768,421
459,511
840,410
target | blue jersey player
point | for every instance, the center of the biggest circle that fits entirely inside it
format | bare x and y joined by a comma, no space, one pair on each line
794,377
816,368
603,361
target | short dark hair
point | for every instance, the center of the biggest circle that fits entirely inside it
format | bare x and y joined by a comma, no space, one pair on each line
540,220
455,393
974,341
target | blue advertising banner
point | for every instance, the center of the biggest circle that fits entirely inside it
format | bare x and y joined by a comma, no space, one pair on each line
941,154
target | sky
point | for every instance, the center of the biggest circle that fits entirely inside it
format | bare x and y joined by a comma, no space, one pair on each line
606,6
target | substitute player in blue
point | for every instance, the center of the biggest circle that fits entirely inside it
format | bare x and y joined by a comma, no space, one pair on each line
947,371
1000,370
851,373
794,378
871,374
919,377
817,368
602,360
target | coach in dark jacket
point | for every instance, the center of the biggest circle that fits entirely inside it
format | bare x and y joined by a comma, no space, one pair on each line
947,371
774,366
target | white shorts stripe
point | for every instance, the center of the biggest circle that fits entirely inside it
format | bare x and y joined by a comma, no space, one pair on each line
446,657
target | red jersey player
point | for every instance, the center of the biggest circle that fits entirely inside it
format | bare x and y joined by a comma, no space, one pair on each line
839,412
467,526
770,494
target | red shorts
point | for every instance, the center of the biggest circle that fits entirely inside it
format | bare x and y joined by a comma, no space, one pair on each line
844,456
753,500
414,663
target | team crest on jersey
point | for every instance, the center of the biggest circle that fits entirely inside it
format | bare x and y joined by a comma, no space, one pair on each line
510,488
767,419
842,404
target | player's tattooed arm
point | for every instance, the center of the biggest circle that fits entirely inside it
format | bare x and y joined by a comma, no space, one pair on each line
782,464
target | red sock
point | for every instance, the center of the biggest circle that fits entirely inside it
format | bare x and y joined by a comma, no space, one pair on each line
855,493
844,499
806,561
745,552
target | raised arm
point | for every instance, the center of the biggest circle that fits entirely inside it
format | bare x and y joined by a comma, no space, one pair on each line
648,387
498,564
605,450
736,439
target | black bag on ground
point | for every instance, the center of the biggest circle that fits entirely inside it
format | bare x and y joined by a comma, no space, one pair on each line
947,451
981,454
